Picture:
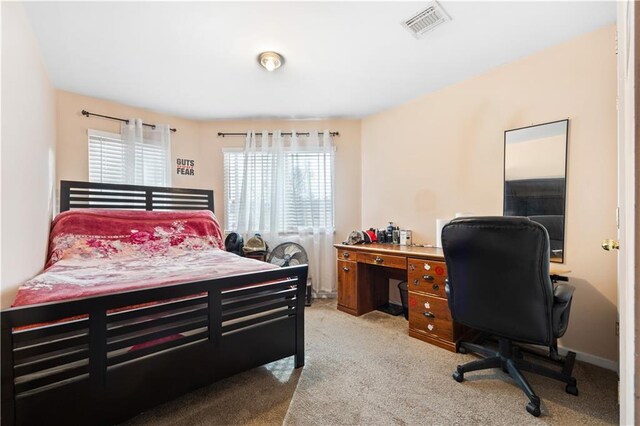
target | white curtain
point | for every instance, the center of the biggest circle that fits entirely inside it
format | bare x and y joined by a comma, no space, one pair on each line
148,153
287,194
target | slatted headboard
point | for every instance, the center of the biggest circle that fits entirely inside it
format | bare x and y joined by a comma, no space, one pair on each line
82,195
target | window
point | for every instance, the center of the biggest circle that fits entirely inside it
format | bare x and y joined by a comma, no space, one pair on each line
307,193
111,160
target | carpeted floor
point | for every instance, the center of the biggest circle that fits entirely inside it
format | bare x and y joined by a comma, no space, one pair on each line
367,370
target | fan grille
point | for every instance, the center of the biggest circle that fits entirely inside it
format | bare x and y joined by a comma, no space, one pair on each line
288,254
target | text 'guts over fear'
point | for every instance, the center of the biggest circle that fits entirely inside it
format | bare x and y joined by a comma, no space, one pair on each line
185,167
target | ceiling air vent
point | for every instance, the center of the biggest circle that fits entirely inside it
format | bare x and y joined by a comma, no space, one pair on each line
426,20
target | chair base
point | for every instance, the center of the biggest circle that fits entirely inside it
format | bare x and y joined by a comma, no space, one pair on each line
510,359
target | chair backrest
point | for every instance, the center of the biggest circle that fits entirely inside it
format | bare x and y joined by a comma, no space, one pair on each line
499,280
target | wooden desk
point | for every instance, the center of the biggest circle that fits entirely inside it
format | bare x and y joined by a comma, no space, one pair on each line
363,285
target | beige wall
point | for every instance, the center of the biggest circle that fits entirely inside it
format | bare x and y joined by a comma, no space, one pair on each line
198,140
72,129
27,152
440,154
443,153
636,57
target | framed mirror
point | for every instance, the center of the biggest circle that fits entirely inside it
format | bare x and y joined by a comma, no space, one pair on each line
535,171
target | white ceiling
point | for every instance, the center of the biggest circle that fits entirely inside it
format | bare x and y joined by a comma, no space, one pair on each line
342,59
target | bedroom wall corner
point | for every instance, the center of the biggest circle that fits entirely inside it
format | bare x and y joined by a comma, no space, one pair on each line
198,140
451,141
27,153
72,131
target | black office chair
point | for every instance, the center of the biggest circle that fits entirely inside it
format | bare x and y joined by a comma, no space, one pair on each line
499,284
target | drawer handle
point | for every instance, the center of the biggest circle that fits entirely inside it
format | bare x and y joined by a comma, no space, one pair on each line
428,278
416,282
378,259
436,287
429,315
346,269
345,255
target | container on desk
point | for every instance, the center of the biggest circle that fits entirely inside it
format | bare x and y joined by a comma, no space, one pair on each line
406,237
440,223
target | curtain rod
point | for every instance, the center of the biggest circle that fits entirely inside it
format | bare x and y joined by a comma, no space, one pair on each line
87,114
225,134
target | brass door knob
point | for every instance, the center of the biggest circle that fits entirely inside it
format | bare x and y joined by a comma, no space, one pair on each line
610,244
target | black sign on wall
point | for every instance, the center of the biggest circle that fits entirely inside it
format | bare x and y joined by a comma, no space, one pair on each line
185,167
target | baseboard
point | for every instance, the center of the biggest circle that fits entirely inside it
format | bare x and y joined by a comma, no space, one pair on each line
591,359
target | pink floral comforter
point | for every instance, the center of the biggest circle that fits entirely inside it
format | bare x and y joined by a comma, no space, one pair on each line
94,252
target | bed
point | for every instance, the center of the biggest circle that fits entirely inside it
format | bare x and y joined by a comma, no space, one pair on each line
86,343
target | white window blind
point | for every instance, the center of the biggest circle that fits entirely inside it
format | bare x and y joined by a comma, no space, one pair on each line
113,161
308,180
107,158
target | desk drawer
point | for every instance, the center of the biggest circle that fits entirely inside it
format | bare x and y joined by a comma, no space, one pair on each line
383,260
347,255
427,276
348,285
430,315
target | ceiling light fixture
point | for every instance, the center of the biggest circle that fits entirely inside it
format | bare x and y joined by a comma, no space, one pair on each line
270,60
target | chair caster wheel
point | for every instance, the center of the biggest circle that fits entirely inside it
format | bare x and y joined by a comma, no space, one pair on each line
462,350
534,410
571,389
458,376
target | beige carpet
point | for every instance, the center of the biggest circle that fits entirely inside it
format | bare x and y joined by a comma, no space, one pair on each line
367,370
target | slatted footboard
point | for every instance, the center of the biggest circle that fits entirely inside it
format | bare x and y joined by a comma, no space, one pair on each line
102,360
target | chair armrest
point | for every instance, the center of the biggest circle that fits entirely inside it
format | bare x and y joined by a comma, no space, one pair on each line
447,291
563,293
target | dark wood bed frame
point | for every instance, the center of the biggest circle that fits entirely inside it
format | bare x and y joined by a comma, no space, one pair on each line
81,371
